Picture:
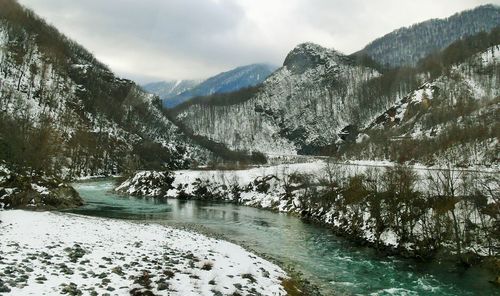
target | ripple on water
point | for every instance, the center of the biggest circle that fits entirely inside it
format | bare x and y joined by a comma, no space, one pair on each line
394,291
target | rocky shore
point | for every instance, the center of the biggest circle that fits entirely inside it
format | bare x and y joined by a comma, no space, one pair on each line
35,191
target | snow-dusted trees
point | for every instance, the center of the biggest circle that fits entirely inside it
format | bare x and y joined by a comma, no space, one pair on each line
63,112
406,46
424,213
465,199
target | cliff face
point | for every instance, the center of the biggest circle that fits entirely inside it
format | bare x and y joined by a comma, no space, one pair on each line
299,108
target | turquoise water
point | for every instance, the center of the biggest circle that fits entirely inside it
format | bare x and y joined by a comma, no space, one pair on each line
331,263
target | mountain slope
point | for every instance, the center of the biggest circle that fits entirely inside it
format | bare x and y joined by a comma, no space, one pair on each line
65,113
241,77
299,108
320,99
451,118
168,89
406,46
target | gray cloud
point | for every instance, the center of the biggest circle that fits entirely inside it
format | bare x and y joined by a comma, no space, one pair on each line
172,39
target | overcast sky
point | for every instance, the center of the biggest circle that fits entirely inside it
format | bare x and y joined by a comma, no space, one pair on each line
149,40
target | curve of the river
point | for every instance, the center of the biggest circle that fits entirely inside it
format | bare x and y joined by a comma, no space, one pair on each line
329,262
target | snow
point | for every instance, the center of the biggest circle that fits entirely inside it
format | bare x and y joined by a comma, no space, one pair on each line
243,177
177,83
284,188
424,92
187,180
4,172
389,238
291,110
490,56
53,249
40,189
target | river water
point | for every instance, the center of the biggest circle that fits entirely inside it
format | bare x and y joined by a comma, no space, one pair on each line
331,263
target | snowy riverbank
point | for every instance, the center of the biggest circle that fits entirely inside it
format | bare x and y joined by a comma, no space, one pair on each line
42,252
407,210
23,190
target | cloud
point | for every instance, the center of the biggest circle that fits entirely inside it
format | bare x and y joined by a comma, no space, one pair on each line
190,39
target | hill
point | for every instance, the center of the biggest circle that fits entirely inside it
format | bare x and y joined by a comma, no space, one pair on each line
407,46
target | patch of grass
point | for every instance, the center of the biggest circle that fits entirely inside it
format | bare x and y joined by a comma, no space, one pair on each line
291,287
118,270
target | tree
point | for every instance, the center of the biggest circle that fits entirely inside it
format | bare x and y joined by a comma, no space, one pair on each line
402,199
445,184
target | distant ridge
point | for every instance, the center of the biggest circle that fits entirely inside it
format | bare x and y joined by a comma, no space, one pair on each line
406,46
236,79
169,89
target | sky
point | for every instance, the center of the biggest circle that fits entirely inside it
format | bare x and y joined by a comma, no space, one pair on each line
153,40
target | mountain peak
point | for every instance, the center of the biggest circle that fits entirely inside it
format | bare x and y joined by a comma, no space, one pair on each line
313,48
309,55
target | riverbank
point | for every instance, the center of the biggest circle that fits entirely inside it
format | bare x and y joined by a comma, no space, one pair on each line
57,252
361,202
35,191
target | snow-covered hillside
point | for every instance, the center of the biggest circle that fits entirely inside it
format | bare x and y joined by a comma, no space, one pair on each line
468,81
406,46
301,107
454,116
167,90
322,102
65,113
233,80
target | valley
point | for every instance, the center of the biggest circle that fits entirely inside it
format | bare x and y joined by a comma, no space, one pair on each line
370,173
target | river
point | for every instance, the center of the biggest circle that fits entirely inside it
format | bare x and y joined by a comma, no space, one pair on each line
329,262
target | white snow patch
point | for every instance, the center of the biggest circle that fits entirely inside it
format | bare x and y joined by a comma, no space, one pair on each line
134,247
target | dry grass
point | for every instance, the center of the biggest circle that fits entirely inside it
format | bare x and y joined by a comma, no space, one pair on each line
292,287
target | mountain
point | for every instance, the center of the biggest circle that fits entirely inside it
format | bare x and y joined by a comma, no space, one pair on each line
299,108
168,89
63,112
451,117
406,46
225,82
322,102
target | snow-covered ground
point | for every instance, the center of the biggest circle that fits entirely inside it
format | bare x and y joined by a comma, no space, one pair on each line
149,183
304,189
44,253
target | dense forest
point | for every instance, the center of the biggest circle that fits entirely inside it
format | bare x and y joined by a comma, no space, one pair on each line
65,113
218,99
407,46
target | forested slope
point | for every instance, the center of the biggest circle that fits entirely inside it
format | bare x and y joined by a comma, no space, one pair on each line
63,112
407,46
